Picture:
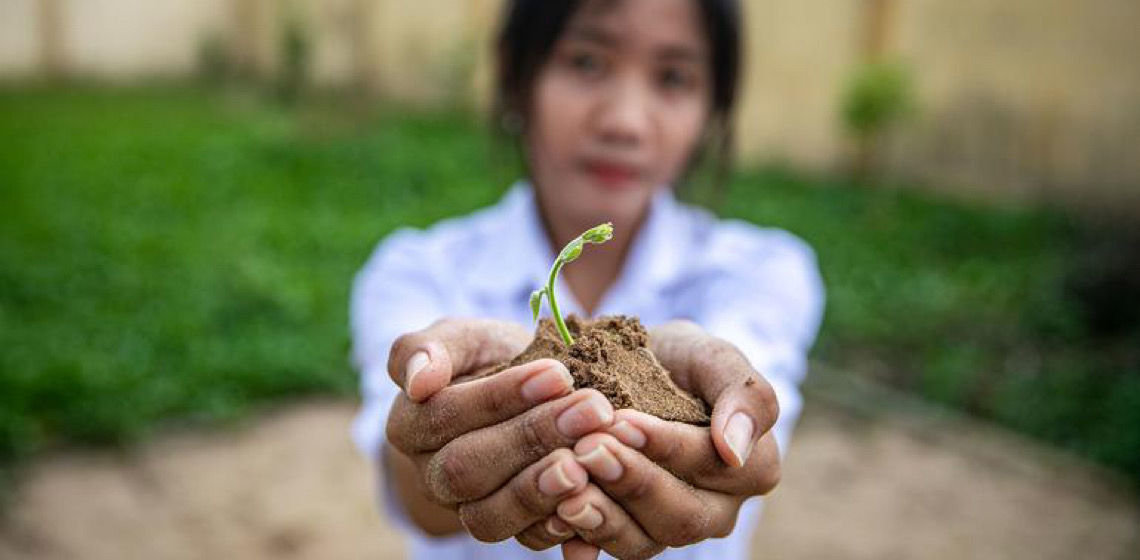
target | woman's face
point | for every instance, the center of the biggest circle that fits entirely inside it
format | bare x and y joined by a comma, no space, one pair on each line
619,107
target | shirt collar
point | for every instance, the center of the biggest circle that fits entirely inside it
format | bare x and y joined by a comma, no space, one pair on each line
518,257
655,260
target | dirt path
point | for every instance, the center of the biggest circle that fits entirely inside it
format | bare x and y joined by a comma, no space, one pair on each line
856,486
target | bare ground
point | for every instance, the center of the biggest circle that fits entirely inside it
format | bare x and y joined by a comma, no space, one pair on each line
856,485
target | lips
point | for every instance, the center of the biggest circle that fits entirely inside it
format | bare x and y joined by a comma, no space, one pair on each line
611,173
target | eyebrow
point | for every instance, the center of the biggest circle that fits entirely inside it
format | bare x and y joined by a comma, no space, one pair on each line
681,53
591,34
600,36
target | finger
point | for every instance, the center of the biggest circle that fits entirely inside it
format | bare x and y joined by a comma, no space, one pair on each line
475,464
458,409
531,496
670,511
741,416
425,361
689,453
546,533
578,549
599,521
744,403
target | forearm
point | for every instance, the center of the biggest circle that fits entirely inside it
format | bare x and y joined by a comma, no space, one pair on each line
431,518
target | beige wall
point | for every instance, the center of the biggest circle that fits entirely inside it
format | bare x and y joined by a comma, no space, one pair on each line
1031,98
19,50
109,38
798,56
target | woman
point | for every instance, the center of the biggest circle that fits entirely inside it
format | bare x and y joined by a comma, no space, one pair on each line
612,102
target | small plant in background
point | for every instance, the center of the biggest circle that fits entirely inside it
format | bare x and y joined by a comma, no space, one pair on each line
598,235
296,50
878,96
215,63
455,72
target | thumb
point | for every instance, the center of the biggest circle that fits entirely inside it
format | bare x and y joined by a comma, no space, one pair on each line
744,403
423,362
427,370
744,412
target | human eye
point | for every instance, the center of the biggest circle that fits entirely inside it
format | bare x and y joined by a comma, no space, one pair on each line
586,63
676,79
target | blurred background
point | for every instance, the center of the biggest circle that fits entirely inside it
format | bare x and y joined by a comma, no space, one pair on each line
187,186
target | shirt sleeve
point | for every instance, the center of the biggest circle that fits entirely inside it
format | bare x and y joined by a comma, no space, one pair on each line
394,293
766,297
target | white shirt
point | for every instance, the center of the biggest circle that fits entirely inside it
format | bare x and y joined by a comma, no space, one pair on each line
760,289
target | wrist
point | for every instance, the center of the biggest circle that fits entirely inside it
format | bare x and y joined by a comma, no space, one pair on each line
432,519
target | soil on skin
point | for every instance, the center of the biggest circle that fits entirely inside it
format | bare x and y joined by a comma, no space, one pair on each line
611,354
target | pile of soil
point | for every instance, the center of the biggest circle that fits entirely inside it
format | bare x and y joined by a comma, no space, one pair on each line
611,354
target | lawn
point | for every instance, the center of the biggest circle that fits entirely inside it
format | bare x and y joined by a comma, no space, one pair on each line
172,256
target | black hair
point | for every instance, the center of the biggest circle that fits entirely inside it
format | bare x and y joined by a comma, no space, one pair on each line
530,28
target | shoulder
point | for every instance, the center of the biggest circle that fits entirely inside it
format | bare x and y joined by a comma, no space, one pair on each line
736,246
766,277
445,246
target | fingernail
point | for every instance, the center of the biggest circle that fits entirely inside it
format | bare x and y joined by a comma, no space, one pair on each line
738,435
417,363
628,434
587,415
602,463
551,382
589,518
554,481
558,527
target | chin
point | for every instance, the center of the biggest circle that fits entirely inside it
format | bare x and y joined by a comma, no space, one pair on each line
587,202
604,203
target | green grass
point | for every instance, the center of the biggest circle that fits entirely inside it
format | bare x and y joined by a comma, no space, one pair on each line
177,255
169,255
965,305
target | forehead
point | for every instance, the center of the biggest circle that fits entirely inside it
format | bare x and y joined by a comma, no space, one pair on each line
652,24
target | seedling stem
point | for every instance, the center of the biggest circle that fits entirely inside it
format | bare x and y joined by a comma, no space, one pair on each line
597,235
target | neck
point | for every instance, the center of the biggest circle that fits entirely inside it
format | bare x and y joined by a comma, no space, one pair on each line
592,274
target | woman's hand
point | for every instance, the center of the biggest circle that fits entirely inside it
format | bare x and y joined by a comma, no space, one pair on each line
496,450
655,483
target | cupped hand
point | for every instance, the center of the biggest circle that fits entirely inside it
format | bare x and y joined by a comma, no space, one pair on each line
657,484
496,449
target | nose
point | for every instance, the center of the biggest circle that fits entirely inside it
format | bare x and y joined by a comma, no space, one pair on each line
623,116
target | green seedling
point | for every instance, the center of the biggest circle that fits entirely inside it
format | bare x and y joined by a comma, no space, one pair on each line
598,235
